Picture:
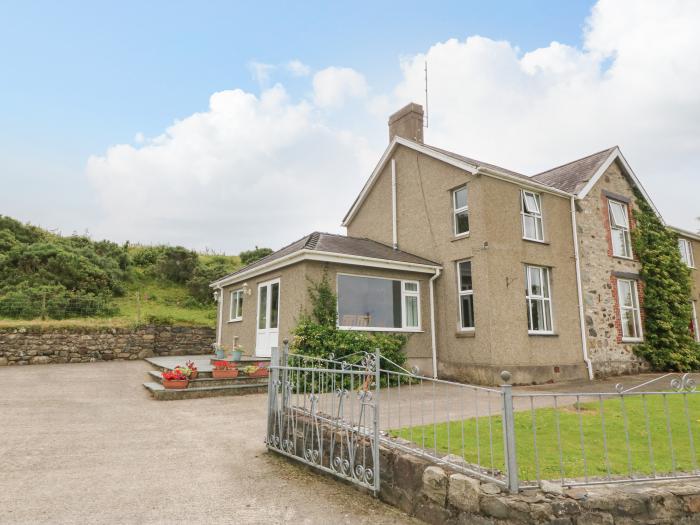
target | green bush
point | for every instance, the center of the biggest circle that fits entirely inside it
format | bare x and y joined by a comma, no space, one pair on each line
53,302
668,342
163,320
250,256
205,273
177,264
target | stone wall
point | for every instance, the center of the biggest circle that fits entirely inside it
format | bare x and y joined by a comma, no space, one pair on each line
436,494
610,356
34,345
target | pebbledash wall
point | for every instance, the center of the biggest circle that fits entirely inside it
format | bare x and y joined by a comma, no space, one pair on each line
35,345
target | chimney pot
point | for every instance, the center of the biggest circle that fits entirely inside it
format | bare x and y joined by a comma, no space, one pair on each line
407,123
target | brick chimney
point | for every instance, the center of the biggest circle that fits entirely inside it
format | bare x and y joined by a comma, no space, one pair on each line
407,123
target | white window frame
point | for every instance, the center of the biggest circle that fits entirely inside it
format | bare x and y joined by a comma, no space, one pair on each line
546,300
694,320
404,294
461,293
624,228
686,249
635,308
456,211
410,293
237,316
536,215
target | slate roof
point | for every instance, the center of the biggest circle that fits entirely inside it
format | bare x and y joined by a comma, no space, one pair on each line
477,163
573,176
340,244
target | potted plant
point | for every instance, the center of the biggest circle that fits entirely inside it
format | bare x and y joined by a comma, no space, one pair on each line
257,370
236,353
193,370
219,350
224,370
175,379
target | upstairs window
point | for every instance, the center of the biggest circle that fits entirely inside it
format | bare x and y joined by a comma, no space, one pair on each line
375,303
630,317
460,211
619,229
236,313
531,210
466,295
686,250
539,300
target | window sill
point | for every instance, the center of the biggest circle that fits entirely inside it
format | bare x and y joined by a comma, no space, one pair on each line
536,241
544,334
632,340
622,257
375,329
460,237
465,334
235,320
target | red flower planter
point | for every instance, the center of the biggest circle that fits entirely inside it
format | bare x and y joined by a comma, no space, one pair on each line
260,372
175,384
225,374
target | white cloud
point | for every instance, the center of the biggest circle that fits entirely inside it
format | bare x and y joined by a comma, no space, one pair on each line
261,72
247,171
634,83
267,169
297,68
334,86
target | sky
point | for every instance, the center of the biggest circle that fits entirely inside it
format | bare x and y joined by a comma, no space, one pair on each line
223,125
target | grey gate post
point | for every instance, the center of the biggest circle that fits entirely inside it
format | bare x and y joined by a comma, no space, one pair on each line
375,430
509,433
272,392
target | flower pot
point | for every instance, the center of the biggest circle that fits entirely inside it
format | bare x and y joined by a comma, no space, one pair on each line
220,354
260,372
224,374
236,355
194,374
175,384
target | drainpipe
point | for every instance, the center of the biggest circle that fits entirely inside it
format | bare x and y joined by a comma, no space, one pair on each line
219,292
395,233
581,314
432,320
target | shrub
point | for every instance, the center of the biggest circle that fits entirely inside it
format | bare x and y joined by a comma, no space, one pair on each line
668,343
53,302
250,256
205,273
177,264
163,320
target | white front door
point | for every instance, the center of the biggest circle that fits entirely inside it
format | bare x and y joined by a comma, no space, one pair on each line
268,317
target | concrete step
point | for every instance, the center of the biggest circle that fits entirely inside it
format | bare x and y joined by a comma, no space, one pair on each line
160,393
205,381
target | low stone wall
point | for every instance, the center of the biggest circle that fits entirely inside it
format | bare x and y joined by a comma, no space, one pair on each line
436,494
34,345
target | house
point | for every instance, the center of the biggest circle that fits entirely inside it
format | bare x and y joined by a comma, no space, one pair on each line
484,268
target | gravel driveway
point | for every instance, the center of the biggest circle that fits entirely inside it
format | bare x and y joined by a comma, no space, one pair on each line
84,443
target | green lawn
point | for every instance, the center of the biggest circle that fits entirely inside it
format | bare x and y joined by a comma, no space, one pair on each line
574,422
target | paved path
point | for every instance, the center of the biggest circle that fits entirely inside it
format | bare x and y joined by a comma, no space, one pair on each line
84,443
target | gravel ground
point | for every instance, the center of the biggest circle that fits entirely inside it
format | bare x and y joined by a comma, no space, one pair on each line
84,443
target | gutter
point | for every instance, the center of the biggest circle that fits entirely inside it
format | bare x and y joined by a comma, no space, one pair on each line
432,320
579,289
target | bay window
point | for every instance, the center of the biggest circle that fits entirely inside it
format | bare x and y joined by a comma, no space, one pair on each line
619,229
376,303
538,299
630,318
531,211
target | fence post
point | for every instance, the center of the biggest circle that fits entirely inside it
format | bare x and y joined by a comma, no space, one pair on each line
375,444
272,392
283,361
138,307
509,433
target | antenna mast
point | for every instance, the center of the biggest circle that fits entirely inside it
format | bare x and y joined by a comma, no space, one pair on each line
426,94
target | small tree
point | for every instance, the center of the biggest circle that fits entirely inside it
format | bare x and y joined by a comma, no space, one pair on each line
668,341
323,301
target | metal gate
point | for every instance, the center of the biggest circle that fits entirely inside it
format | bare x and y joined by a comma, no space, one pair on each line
325,413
